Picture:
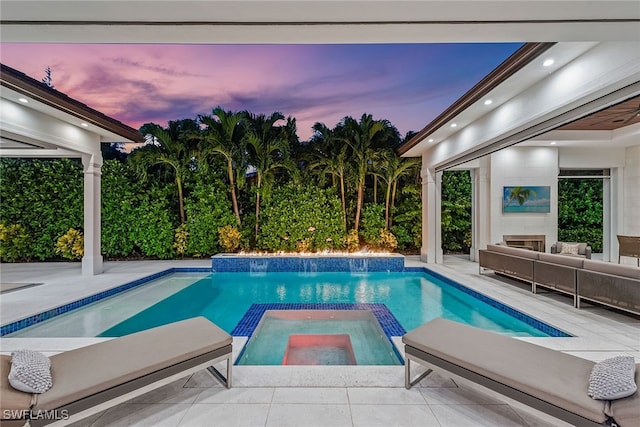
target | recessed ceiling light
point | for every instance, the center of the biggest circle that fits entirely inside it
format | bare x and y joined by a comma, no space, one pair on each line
547,63
430,139
552,143
488,102
85,125
24,100
454,125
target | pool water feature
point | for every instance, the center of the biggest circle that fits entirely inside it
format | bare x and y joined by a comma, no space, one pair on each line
413,297
318,337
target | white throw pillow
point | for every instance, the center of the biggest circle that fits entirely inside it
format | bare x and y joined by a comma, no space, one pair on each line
570,249
613,378
30,371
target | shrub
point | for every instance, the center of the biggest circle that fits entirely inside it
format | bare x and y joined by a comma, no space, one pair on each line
299,217
180,240
229,238
71,244
372,223
352,241
208,209
45,197
387,240
14,242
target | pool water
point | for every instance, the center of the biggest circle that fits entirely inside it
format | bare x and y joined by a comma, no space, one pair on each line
413,297
331,337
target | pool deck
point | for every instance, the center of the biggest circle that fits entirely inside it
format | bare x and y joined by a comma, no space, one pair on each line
319,395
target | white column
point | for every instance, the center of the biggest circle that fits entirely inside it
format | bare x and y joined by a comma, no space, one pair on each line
92,259
614,207
430,216
480,207
438,218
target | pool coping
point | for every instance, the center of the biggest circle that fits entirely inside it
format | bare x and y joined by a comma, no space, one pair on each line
65,308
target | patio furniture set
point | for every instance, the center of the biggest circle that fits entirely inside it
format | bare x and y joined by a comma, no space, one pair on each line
613,285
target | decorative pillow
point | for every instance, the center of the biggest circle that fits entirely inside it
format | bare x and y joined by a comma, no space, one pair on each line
30,371
613,378
570,249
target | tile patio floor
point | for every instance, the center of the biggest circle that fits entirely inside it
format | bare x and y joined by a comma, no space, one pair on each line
318,395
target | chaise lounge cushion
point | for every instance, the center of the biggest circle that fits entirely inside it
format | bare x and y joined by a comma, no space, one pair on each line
13,400
555,377
126,358
626,411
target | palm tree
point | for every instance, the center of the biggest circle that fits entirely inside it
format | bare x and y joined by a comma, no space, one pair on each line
168,148
393,169
268,152
521,194
330,158
362,137
224,136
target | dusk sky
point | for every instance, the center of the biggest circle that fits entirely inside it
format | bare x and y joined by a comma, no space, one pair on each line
407,84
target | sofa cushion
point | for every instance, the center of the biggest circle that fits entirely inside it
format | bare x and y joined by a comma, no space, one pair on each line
550,375
523,253
562,260
567,248
610,268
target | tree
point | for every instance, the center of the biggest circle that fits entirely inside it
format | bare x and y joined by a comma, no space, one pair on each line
224,136
330,158
168,148
392,169
47,80
363,137
268,152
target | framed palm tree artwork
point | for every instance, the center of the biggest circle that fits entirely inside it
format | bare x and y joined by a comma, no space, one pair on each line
526,199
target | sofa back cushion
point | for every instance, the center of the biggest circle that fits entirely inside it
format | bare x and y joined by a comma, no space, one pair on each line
562,260
610,268
523,253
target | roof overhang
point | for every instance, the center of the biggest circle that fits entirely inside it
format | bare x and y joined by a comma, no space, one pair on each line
18,87
533,100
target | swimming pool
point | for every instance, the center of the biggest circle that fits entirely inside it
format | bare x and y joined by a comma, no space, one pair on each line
413,297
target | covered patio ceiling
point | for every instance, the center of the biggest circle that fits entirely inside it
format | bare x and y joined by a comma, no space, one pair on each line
316,21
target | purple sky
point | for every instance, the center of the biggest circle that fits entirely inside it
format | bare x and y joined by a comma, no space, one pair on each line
407,84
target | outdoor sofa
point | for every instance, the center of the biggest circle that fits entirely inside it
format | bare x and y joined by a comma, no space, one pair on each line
90,379
550,381
610,284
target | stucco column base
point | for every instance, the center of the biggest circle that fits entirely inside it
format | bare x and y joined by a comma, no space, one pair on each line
92,265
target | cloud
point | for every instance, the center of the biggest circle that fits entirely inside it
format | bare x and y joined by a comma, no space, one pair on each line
406,84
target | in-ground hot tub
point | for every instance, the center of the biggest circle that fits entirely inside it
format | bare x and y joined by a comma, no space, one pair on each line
319,337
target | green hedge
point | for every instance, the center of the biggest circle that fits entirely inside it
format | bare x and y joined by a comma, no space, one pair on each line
298,215
208,208
45,197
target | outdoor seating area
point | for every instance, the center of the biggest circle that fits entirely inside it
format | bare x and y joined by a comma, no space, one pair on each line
91,379
548,380
601,282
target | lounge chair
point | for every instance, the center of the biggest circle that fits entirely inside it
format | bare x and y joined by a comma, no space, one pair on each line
548,380
629,246
90,379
